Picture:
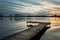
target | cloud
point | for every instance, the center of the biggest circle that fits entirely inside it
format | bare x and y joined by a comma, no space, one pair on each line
28,6
56,2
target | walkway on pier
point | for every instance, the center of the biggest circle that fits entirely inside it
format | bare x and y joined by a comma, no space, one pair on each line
30,33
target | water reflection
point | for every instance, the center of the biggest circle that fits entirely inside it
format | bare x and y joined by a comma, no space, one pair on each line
13,18
54,32
19,18
1,18
55,22
11,25
24,18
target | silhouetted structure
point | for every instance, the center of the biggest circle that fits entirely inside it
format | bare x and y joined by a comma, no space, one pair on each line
18,15
1,15
11,15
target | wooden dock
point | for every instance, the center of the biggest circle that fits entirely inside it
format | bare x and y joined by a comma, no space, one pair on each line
33,33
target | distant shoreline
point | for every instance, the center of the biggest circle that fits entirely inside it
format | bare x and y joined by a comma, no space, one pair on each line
29,16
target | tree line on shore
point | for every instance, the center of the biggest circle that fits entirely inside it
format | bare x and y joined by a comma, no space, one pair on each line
20,15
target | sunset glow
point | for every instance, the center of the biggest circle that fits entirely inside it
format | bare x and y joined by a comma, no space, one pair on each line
30,19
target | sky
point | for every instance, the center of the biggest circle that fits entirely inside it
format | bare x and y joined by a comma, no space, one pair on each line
35,7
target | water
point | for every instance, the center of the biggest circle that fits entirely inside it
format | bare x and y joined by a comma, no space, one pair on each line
54,32
11,25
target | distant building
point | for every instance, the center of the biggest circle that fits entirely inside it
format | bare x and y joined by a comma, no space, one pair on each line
1,15
18,15
11,15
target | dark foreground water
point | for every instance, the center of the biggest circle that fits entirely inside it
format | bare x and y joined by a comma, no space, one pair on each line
13,25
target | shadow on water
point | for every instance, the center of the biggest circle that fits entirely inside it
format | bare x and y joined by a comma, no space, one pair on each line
38,35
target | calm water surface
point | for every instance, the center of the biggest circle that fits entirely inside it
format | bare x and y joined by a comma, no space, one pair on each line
11,25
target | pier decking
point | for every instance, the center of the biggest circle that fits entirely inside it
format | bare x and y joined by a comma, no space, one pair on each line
33,33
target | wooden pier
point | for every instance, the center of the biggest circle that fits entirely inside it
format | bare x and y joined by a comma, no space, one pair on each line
33,33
